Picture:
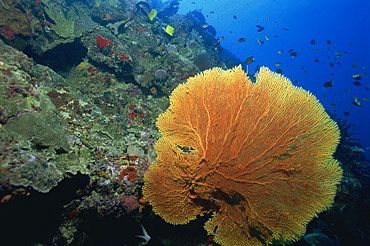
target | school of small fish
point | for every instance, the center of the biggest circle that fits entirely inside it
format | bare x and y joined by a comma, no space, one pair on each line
332,60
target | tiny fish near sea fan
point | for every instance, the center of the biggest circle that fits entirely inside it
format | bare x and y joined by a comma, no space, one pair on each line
256,155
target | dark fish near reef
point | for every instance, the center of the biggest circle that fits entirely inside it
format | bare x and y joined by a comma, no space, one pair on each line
241,40
279,71
294,54
313,41
331,64
249,60
356,83
346,113
357,102
328,42
257,68
328,84
216,42
316,60
290,50
235,17
260,29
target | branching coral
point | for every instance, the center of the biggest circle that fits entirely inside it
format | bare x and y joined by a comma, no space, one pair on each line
257,155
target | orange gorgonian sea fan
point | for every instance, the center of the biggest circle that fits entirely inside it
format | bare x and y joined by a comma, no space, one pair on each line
256,155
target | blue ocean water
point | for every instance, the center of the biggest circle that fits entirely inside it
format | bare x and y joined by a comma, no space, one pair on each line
331,38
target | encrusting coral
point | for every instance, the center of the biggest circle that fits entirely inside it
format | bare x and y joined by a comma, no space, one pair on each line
257,155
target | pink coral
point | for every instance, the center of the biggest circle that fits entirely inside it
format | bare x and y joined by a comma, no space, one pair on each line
130,203
7,32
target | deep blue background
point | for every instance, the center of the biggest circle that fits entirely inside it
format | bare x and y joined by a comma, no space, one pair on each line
341,22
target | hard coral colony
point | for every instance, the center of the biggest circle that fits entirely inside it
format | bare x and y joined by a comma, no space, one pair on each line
256,155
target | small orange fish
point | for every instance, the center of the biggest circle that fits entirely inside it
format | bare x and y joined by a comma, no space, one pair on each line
153,90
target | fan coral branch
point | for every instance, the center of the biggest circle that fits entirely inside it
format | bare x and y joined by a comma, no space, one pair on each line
257,155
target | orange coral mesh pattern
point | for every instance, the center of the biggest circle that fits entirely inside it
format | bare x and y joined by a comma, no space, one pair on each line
257,155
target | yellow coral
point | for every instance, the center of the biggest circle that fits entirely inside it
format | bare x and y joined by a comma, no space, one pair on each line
83,65
257,155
